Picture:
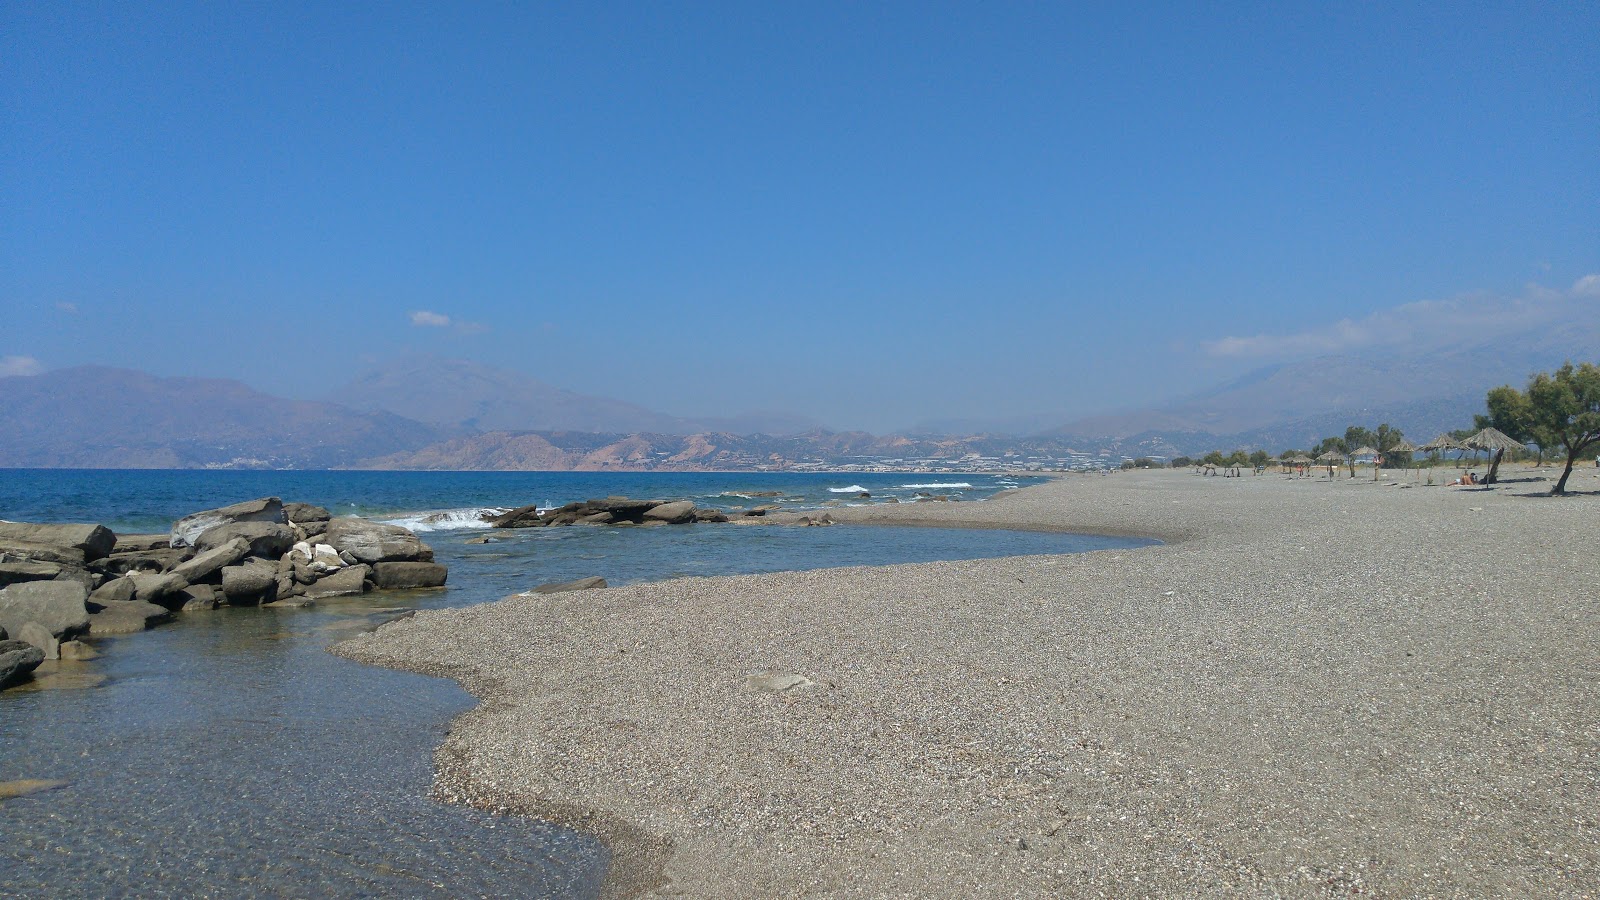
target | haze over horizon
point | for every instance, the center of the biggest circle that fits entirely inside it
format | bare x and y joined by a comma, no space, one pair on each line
869,217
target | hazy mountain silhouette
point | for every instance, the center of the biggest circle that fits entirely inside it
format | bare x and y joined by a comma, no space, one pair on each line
469,397
99,417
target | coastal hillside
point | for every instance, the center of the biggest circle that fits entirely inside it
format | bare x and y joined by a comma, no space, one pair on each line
1421,391
466,397
100,417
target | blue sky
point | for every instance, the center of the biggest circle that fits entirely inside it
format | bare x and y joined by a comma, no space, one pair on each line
873,215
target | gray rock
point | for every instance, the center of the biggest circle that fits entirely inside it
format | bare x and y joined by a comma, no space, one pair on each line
305,513
117,589
266,539
28,551
250,584
159,560
597,518
352,580
198,597
206,565
561,587
392,576
480,539
157,588
17,660
130,617
710,515
374,542
94,541
78,650
35,634
190,527
138,543
57,605
677,512
26,570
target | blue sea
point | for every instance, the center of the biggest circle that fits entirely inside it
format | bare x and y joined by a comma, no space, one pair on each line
227,753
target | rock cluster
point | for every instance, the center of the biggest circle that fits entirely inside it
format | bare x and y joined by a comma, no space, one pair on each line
610,511
62,582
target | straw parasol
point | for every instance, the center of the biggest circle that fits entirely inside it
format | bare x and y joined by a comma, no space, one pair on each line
1408,448
1497,441
1330,457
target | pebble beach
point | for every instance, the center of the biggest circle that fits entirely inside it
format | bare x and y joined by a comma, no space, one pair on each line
1313,688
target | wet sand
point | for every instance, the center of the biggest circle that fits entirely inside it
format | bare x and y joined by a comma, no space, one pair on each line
1314,688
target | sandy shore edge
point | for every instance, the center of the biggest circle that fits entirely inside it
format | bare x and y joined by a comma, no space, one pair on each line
1028,694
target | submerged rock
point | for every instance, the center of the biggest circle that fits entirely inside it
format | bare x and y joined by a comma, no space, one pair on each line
562,587
389,576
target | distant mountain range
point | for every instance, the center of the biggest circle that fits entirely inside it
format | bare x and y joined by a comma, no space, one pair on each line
98,417
432,413
466,397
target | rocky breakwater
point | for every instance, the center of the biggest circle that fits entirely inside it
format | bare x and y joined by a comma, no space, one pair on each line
63,583
610,511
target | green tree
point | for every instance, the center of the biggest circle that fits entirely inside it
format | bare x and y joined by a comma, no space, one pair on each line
1214,458
1182,462
1259,458
1564,411
1509,412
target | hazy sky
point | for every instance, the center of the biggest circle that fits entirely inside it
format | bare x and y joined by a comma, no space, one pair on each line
873,215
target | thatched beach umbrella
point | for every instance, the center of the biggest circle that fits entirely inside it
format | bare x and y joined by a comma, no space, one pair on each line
1329,458
1406,447
1496,441
1365,450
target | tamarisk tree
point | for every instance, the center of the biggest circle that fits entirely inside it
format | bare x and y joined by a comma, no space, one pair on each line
1562,410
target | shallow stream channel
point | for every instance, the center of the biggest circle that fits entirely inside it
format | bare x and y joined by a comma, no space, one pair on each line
227,753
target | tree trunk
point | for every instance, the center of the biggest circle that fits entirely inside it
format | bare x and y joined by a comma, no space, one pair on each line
1494,467
1561,485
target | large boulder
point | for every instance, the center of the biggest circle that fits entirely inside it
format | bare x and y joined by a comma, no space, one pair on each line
117,589
305,513
352,580
12,550
266,539
206,565
18,659
251,584
265,509
94,541
126,617
675,513
40,637
395,576
521,517
156,588
27,570
161,559
375,542
57,605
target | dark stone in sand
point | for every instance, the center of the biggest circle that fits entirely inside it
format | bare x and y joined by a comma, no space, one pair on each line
582,584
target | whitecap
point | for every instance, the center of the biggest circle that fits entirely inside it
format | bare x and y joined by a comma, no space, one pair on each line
447,519
852,489
938,484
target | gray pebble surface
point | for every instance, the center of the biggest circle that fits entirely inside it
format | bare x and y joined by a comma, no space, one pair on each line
1314,688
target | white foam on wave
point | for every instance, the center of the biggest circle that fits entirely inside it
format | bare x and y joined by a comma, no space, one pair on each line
852,489
938,484
447,519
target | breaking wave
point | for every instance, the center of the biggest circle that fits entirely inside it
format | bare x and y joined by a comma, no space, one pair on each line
447,519
852,489
938,484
